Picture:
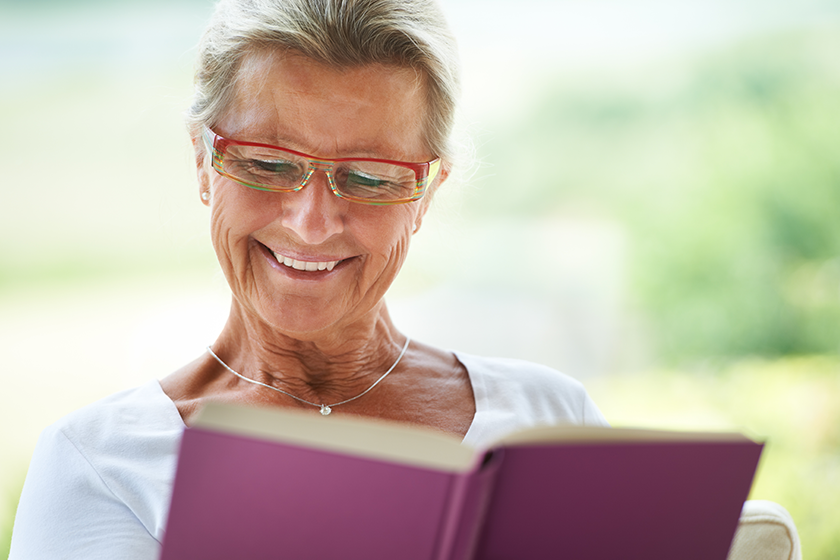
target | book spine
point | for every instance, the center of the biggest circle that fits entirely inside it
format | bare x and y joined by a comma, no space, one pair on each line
464,516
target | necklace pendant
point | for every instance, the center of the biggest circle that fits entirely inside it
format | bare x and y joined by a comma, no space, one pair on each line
325,410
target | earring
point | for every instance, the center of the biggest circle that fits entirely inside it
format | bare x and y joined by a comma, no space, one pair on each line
205,196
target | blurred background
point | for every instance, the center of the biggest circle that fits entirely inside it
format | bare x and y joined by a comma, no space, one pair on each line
653,208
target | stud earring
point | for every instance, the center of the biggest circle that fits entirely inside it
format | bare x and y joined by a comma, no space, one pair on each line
205,196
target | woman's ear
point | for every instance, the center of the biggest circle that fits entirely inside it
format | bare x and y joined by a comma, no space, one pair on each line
418,219
201,170
426,201
204,184
441,178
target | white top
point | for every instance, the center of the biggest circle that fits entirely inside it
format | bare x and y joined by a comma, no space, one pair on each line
100,479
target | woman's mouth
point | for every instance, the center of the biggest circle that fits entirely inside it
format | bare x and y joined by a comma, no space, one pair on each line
310,266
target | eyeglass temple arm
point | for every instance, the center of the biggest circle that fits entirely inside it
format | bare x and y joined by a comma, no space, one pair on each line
209,138
434,167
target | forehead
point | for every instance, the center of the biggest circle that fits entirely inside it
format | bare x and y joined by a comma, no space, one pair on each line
292,100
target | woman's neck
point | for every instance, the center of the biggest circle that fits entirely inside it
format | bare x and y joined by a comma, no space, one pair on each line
326,366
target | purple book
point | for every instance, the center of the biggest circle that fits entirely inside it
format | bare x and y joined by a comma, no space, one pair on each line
256,483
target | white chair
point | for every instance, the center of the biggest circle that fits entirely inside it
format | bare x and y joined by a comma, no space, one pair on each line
765,532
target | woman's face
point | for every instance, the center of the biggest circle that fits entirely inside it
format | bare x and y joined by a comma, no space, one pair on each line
267,243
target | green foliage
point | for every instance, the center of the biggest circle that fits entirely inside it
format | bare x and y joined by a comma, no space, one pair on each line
793,404
725,175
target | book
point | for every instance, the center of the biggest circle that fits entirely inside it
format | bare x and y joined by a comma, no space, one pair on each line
270,483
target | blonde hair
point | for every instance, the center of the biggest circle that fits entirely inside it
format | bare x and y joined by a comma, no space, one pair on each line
341,33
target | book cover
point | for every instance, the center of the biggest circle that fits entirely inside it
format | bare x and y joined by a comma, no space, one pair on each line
255,483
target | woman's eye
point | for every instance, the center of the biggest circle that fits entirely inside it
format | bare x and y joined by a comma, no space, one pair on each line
273,166
358,179
361,184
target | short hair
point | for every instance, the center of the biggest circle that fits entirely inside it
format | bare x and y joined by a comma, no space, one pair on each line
340,33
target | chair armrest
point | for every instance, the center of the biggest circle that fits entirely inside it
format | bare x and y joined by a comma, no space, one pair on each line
765,532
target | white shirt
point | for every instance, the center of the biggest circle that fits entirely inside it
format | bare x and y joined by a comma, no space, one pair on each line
100,479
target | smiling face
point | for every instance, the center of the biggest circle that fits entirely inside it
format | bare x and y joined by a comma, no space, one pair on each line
305,262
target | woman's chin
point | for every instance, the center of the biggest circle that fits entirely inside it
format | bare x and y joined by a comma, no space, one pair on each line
294,323
312,320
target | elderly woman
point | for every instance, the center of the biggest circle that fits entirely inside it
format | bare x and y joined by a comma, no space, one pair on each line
321,133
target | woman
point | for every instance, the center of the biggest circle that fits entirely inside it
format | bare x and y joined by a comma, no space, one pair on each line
321,132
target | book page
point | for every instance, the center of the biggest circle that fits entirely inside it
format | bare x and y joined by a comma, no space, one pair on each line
362,437
596,435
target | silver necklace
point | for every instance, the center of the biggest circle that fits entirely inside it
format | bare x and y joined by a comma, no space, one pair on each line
325,408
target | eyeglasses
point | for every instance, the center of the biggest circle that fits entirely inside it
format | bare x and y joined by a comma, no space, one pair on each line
363,180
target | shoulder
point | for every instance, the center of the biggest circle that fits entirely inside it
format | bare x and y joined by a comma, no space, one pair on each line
518,372
512,394
529,384
142,416
101,471
130,440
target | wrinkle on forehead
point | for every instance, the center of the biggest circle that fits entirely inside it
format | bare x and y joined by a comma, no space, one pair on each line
253,85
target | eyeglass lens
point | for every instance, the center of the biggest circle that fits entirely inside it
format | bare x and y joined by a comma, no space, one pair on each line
280,170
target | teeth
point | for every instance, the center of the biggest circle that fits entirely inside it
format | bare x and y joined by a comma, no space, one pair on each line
305,265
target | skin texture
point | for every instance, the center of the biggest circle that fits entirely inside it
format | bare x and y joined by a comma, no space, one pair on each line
323,336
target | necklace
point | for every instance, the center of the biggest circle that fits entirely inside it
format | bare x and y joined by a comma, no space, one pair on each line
325,408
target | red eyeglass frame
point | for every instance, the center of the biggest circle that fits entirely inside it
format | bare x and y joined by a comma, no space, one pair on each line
424,173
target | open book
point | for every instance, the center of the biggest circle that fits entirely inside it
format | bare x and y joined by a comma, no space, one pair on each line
257,483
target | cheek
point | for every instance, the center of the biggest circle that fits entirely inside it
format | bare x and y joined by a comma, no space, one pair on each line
228,243
386,237
235,213
242,209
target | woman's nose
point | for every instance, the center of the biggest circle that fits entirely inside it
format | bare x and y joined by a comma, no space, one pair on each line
313,213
